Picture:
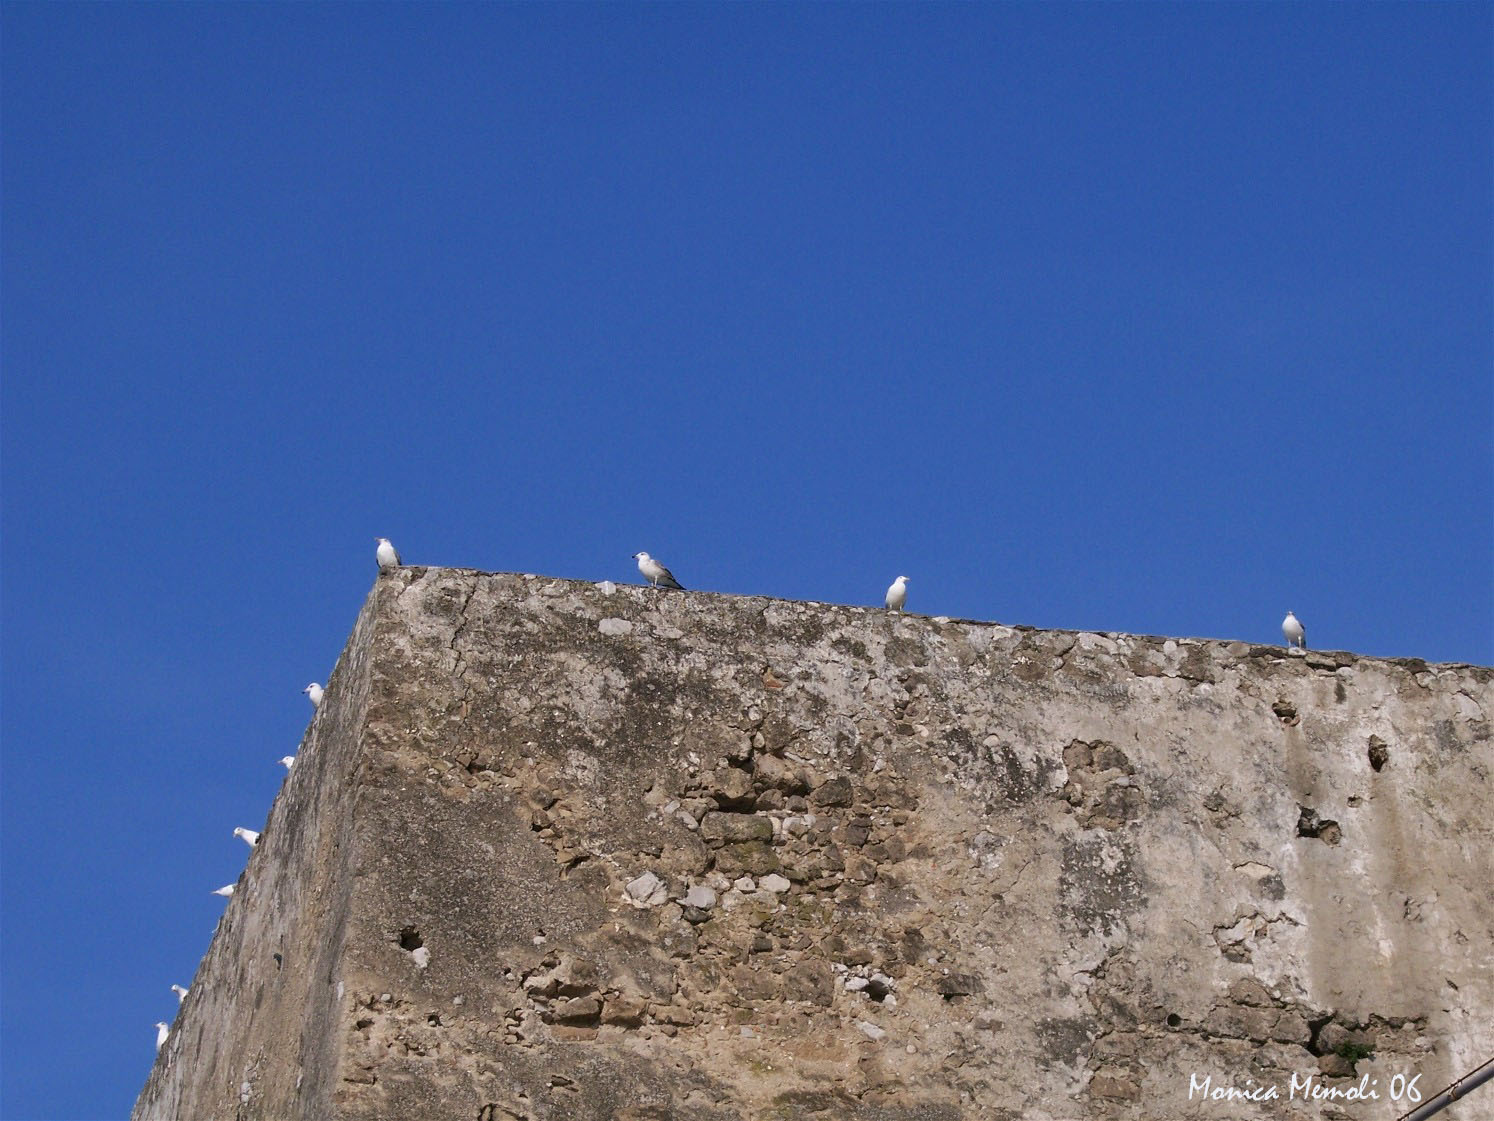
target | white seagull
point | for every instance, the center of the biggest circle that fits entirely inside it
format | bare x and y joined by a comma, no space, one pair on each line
386,554
897,594
314,691
226,890
287,761
248,836
1293,631
162,1031
181,993
655,573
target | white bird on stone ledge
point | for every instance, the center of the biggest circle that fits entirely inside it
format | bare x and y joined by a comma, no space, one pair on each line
287,761
897,594
248,836
386,554
314,691
655,573
162,1031
1293,631
181,993
226,890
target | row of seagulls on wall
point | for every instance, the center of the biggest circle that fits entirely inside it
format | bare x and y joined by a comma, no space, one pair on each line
387,558
659,576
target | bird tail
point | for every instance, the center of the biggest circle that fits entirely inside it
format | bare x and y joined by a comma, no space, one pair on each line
668,581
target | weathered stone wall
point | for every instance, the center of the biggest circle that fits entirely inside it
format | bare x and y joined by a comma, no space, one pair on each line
555,850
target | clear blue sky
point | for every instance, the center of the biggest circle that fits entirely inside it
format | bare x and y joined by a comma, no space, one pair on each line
1158,318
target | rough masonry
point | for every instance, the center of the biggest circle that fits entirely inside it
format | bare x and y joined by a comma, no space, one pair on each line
555,850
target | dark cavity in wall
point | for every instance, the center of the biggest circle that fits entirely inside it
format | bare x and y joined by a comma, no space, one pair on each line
1309,824
1379,752
409,939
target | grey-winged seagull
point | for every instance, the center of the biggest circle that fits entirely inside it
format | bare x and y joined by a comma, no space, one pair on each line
181,993
655,573
287,761
1293,631
226,891
314,691
248,836
386,554
162,1031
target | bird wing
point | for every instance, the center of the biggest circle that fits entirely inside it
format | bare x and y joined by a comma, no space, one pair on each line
667,579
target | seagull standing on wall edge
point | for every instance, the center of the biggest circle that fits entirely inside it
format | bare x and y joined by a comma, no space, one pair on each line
655,573
897,595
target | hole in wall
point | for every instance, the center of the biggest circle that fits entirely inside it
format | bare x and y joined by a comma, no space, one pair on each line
1379,753
1309,824
409,939
1174,1020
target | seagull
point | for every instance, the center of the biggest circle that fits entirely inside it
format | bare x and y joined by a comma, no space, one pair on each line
287,761
386,554
1293,631
248,836
655,573
897,594
226,891
162,1031
181,993
314,691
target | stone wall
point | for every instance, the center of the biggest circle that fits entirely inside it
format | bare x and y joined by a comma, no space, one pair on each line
554,850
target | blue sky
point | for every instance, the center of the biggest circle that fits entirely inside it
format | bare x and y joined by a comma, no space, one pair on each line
1158,318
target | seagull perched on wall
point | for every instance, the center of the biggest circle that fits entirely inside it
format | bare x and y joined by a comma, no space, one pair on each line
162,1031
314,691
248,836
181,993
655,573
287,761
897,594
226,890
1293,631
386,554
